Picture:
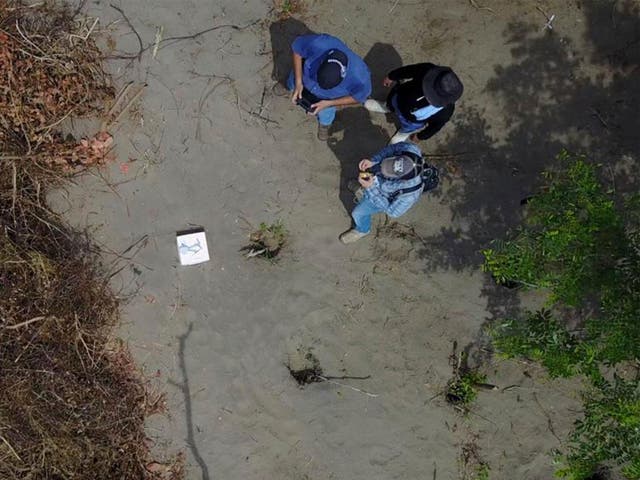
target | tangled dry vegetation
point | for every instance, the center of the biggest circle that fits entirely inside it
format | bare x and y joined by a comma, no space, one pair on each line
72,402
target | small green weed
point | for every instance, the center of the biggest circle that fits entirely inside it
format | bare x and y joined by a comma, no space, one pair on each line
287,8
471,464
462,389
482,472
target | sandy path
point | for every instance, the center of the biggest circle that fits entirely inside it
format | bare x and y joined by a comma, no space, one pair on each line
218,335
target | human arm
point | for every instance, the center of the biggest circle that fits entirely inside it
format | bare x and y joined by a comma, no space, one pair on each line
297,74
303,47
337,102
436,122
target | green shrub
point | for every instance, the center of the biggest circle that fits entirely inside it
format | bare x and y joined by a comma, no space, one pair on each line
586,253
569,240
609,431
540,337
482,472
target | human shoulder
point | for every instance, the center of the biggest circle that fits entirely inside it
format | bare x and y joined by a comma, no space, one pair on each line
408,147
311,44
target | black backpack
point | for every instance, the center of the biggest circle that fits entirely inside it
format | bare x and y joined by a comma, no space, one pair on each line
429,174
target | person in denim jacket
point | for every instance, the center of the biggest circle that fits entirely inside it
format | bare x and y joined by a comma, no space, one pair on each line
393,186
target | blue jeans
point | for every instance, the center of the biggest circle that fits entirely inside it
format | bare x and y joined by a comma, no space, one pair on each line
406,125
326,116
362,215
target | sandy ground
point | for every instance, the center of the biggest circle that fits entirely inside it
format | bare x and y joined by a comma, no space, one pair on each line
211,146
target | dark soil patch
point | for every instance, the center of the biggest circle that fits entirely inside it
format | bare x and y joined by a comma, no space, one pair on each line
307,369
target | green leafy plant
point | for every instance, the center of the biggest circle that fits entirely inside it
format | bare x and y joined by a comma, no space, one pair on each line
568,242
610,430
585,252
462,389
482,472
540,337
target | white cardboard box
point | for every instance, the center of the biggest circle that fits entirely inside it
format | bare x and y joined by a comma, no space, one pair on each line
192,247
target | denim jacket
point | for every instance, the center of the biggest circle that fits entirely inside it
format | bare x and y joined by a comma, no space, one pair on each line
383,188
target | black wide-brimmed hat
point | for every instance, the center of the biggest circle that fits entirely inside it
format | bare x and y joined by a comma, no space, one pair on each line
441,86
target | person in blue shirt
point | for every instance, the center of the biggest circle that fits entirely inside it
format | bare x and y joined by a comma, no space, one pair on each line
327,74
391,184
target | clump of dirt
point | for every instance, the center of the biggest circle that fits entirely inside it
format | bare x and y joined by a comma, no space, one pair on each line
267,241
304,367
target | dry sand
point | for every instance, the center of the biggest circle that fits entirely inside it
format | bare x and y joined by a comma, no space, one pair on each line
211,146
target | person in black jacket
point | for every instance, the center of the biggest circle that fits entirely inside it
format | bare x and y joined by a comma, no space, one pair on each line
422,98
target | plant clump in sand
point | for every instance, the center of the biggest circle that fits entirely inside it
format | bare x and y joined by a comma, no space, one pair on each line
72,402
267,241
288,8
463,388
304,367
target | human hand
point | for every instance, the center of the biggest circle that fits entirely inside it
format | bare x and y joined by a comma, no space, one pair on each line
297,93
366,182
365,164
321,105
387,82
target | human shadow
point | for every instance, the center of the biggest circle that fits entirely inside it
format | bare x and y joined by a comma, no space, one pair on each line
186,392
283,32
354,135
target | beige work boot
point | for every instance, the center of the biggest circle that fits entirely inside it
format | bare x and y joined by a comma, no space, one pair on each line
400,137
323,132
351,236
376,106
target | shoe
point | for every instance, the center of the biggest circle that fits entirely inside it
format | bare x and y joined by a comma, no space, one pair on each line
376,106
279,90
351,236
400,137
353,186
323,132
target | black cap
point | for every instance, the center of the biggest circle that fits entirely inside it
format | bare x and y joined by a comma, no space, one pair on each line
333,69
441,86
